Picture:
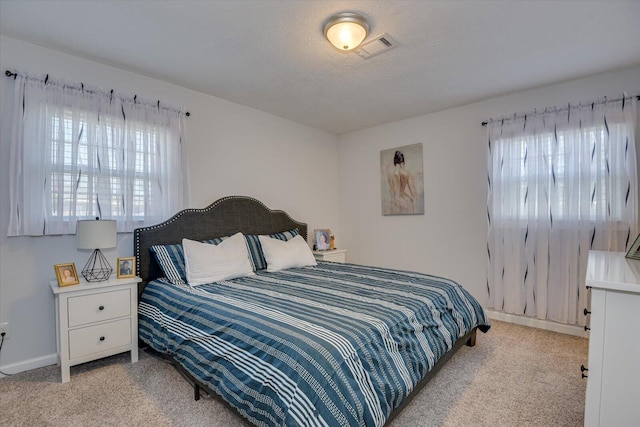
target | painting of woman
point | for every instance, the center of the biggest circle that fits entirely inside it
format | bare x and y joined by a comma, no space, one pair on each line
402,180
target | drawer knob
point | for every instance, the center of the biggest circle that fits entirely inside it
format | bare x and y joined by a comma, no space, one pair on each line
586,312
585,376
582,368
586,328
101,338
101,308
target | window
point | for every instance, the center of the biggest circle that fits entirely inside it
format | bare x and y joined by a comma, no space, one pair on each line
561,184
565,174
81,153
72,193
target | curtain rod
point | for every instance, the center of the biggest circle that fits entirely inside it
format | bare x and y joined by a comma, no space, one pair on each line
535,113
14,75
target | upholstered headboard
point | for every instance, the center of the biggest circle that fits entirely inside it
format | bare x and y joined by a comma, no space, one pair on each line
223,217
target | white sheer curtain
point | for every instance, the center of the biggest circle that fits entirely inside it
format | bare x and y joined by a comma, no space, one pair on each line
560,183
80,152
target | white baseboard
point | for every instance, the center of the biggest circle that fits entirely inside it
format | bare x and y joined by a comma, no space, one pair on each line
27,365
548,325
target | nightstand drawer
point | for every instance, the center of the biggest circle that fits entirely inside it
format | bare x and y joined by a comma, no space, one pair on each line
336,255
103,337
93,308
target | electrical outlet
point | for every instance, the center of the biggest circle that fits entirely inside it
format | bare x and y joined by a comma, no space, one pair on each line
4,329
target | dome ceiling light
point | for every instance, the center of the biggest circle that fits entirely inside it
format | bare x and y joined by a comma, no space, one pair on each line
346,30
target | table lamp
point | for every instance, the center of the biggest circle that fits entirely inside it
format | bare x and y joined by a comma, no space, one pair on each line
96,234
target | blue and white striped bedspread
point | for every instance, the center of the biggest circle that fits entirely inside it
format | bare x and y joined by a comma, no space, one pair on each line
330,345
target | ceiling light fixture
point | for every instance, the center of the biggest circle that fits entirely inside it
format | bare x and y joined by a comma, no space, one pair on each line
346,30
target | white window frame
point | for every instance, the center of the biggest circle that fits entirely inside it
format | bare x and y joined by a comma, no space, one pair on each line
525,176
62,147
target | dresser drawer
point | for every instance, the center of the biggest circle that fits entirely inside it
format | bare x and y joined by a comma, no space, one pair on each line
93,308
97,338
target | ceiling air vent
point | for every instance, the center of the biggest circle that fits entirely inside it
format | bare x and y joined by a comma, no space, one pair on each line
376,46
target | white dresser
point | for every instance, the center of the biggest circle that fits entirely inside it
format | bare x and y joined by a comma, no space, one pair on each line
613,386
95,320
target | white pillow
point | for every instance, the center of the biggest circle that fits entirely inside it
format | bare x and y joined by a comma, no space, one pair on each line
281,255
207,263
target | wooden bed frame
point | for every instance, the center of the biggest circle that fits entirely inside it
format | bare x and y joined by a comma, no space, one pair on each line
226,217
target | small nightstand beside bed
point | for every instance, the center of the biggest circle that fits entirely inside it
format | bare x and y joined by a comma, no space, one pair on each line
326,344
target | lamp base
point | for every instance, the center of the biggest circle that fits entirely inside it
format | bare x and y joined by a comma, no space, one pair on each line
97,269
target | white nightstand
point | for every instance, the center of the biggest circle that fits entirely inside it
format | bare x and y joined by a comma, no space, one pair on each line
95,320
336,255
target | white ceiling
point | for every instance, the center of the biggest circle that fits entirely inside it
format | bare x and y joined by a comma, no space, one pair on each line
271,54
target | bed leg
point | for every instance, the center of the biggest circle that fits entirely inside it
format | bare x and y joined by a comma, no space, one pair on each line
196,392
472,339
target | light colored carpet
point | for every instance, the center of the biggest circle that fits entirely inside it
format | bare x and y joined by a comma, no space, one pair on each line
515,375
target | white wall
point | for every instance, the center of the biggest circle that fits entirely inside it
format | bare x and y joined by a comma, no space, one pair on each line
450,238
232,149
327,181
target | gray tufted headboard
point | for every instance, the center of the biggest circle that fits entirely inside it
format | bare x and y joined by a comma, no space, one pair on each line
223,217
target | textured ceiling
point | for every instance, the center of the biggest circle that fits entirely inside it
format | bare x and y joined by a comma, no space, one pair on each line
272,56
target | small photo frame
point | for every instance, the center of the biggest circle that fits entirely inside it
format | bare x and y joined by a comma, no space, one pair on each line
634,250
126,267
323,239
66,274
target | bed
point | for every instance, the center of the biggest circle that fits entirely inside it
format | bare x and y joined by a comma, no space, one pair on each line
327,344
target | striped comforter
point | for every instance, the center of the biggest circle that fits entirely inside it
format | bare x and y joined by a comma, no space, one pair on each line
334,344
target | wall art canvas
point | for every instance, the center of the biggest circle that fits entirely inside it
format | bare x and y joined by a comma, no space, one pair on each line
402,180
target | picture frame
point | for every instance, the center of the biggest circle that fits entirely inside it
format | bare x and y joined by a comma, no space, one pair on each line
126,267
634,250
66,274
402,180
323,239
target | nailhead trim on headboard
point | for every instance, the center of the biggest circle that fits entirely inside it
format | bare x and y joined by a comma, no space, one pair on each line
240,222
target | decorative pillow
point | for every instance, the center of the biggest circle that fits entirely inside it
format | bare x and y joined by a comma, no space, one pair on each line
216,241
207,263
286,254
255,248
170,258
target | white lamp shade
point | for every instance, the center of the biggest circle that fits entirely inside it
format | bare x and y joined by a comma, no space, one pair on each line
96,234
